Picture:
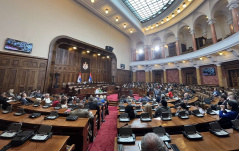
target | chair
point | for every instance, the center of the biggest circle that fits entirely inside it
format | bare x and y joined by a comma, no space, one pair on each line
70,148
124,117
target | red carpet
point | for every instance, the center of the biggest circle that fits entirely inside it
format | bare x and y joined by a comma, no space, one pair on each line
104,140
114,97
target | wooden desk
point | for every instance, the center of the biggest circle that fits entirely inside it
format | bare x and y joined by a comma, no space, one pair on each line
15,105
59,142
77,130
210,142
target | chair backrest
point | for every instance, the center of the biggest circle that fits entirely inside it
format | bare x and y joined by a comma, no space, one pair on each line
87,107
196,112
138,107
153,107
235,123
145,115
159,130
190,129
45,129
54,113
182,113
20,110
144,102
47,104
165,115
125,131
15,127
9,108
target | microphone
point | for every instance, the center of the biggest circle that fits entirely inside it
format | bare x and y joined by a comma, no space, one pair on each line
124,125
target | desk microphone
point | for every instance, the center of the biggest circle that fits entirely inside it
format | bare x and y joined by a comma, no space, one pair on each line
124,125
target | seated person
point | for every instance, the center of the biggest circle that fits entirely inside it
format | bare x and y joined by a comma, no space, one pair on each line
182,107
215,93
130,110
81,113
97,91
23,99
57,101
198,106
11,93
123,99
148,109
64,103
162,108
170,94
225,116
3,100
223,100
92,104
152,142
186,97
38,94
144,98
158,98
102,100
47,98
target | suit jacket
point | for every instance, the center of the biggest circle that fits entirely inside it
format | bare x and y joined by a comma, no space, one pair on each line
4,103
93,105
24,101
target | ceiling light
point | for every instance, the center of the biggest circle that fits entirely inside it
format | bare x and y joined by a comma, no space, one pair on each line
172,14
184,5
106,11
152,27
183,61
103,57
169,63
157,24
124,25
156,48
188,27
189,0
220,53
92,1
88,51
147,28
178,10
141,51
116,19
131,31
201,58
167,18
139,66
155,65
98,54
207,17
108,56
162,22
75,48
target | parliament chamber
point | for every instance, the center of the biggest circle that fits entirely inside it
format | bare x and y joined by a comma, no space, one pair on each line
119,75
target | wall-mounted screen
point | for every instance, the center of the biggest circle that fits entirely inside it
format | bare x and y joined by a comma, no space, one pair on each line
208,71
17,45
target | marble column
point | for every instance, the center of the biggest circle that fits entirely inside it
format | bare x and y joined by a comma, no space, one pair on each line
230,24
147,76
180,76
194,40
163,50
177,46
151,76
165,76
199,82
211,22
146,54
134,55
233,5
219,74
134,76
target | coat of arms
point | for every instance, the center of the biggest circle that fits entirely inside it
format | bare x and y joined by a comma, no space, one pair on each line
85,66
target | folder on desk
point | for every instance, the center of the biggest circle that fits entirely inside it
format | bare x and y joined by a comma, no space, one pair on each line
191,133
12,131
36,104
124,117
216,129
161,132
58,106
183,115
53,115
145,117
126,136
34,115
47,105
72,118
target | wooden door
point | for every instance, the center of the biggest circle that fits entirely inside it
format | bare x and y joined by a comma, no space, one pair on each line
157,78
234,78
189,79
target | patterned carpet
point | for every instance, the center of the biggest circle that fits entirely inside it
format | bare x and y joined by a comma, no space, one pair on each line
104,140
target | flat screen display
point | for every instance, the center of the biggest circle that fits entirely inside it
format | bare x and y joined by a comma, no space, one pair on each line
209,71
17,45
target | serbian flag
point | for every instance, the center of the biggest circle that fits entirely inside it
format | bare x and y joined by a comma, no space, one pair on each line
90,78
79,78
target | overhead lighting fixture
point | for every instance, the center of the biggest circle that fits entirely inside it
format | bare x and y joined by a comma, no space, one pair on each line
152,27
98,54
155,65
201,58
108,56
169,63
167,19
178,10
131,31
92,1
220,53
116,19
162,22
75,48
188,27
183,61
124,25
189,0
147,28
141,51
157,24
207,17
88,51
173,15
106,11
157,48
184,5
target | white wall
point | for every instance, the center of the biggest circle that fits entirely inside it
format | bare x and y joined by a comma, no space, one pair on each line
40,21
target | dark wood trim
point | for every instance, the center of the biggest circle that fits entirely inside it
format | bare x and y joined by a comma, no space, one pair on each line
22,55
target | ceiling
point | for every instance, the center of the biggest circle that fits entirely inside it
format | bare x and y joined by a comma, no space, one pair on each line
130,16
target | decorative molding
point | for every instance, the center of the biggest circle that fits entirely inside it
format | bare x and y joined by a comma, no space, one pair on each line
211,21
234,52
233,4
192,32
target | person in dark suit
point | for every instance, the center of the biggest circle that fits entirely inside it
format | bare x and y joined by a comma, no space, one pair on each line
162,108
3,100
129,109
23,99
92,105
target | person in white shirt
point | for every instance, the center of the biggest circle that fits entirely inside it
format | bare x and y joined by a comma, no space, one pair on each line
198,106
47,98
97,91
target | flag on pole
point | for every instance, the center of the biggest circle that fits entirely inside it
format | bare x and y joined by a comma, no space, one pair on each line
79,78
90,78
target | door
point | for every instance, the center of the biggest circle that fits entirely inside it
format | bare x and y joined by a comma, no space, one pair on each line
234,78
157,78
189,79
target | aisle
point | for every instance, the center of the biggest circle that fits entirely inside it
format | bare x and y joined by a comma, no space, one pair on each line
104,140
114,97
